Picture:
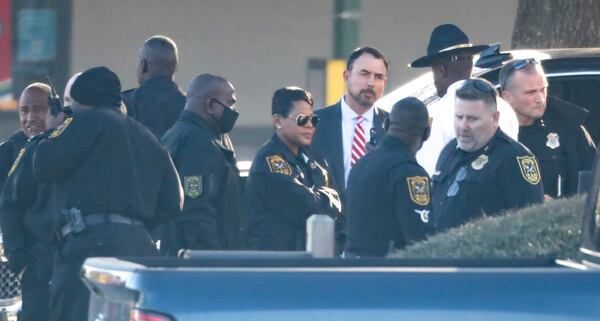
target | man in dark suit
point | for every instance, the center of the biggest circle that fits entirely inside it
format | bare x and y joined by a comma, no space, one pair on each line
339,137
351,126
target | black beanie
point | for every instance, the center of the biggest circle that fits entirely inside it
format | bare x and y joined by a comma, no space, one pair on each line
97,86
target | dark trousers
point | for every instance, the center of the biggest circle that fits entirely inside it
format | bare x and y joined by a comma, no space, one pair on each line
35,295
69,295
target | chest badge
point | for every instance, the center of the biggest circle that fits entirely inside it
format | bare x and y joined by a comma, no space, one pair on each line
529,169
418,187
278,165
478,163
553,141
192,186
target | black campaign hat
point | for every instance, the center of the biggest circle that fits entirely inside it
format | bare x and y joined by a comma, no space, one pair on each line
446,40
97,86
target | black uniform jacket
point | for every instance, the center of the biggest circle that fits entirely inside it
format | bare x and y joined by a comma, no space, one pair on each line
283,191
9,150
388,200
102,161
26,217
156,104
205,160
500,176
561,144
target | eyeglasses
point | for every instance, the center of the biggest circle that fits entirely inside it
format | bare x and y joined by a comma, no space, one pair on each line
223,105
455,187
517,65
302,120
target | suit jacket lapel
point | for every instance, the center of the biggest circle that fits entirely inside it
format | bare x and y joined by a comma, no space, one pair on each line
378,120
337,145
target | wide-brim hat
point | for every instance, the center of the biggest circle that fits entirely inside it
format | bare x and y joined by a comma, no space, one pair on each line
446,40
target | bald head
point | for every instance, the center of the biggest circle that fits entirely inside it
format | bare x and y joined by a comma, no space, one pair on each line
210,96
33,107
409,122
158,57
205,86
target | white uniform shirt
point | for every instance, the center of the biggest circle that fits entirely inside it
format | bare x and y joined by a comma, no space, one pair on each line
442,128
348,124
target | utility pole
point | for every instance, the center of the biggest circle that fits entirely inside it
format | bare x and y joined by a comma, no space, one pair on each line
346,29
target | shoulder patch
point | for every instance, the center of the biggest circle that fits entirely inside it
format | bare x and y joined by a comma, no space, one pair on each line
192,186
61,128
278,165
418,187
17,160
529,169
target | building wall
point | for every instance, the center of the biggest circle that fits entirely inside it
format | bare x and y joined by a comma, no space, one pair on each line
262,45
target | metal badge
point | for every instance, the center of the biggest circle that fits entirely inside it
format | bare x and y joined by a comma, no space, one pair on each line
479,162
553,141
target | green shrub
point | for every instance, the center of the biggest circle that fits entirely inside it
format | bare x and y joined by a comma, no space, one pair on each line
548,230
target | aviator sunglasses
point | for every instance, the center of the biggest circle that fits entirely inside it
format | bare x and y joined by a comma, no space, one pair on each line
302,120
517,65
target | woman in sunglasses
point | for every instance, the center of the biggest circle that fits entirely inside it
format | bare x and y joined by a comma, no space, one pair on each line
288,182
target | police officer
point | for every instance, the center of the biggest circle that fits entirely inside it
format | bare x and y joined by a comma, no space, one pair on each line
288,182
33,106
550,127
399,212
112,180
482,170
25,217
158,101
204,156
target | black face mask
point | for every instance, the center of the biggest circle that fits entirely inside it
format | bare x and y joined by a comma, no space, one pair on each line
227,120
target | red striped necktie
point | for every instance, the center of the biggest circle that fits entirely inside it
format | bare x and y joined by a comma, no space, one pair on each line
359,141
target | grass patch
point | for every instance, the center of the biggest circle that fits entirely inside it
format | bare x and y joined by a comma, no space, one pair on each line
548,230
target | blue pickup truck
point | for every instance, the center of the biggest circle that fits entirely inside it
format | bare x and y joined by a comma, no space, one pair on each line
204,286
335,289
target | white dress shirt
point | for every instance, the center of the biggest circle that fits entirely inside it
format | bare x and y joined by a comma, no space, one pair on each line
442,127
348,124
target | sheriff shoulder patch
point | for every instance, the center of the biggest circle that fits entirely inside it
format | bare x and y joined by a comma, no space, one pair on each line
418,187
61,128
17,160
529,169
278,165
192,186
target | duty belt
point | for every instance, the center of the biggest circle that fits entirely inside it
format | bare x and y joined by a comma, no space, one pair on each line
97,219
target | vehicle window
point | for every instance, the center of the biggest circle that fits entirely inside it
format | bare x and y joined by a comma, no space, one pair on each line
583,91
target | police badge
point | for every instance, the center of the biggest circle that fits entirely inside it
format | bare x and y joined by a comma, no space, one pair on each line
278,165
192,186
478,163
553,141
529,169
418,187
